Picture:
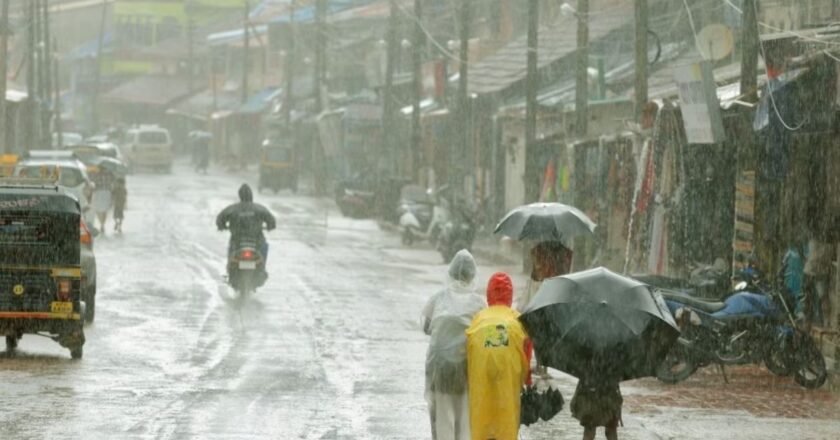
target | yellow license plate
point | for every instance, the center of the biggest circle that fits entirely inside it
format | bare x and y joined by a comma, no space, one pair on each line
61,307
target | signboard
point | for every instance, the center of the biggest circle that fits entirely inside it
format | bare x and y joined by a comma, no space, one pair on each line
699,103
743,240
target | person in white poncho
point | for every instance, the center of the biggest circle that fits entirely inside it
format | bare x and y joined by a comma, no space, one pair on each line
446,317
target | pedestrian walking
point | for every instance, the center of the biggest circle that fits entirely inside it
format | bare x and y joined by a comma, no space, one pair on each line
548,259
446,317
497,364
119,194
602,328
597,402
102,199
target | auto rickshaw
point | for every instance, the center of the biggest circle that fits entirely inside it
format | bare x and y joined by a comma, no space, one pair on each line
40,267
277,167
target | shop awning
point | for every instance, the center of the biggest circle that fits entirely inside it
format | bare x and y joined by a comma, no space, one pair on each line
202,105
260,101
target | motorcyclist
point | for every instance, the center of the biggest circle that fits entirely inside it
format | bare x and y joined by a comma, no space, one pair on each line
245,220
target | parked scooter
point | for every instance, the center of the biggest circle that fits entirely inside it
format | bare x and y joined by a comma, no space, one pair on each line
356,197
747,328
422,214
458,232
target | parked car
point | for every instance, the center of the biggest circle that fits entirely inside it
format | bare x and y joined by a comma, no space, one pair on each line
149,146
67,138
70,175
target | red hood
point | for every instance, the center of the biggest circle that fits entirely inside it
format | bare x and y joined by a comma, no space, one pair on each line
500,290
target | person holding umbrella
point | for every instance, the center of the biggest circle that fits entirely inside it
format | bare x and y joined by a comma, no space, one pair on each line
446,317
119,194
597,402
497,364
552,226
602,328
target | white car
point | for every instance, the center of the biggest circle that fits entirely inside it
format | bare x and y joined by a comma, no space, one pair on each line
71,175
149,146
67,138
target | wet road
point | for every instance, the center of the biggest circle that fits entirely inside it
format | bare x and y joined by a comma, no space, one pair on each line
330,348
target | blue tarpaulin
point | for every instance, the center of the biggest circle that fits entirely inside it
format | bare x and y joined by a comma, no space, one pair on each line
260,101
307,14
89,48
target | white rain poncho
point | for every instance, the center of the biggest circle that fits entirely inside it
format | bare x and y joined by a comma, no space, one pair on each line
447,316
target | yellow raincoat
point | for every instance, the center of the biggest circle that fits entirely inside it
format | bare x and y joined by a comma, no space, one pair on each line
497,367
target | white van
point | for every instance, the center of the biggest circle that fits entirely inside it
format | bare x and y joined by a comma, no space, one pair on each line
149,146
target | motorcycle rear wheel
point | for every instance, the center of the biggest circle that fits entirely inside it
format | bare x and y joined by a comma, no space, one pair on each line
810,366
676,367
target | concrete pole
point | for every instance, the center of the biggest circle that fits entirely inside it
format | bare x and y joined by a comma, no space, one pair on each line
4,66
749,51
641,56
417,85
532,187
582,83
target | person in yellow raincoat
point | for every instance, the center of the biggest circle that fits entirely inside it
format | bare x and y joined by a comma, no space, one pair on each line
497,364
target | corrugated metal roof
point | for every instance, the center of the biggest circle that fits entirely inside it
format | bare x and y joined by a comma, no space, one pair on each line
556,41
149,90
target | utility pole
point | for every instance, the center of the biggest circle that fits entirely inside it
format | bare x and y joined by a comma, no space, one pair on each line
190,53
418,47
39,56
460,160
532,188
4,66
641,57
290,65
246,32
749,52
47,67
97,79
320,52
388,101
29,130
319,167
57,98
582,86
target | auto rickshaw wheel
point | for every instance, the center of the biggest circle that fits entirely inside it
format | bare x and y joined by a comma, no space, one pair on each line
90,306
76,352
11,342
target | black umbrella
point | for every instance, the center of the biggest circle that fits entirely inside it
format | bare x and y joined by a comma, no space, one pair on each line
545,222
110,164
599,322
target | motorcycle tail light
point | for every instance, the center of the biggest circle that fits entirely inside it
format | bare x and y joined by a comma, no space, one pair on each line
65,290
84,234
247,254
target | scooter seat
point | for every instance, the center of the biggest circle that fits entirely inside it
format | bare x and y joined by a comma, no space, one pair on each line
699,304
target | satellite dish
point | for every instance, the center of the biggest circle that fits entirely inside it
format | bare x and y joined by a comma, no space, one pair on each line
715,42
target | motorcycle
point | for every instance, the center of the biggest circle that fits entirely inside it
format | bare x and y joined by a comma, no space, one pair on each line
747,328
246,267
457,233
422,214
356,197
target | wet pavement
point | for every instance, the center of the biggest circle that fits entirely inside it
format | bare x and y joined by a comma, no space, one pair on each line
330,348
